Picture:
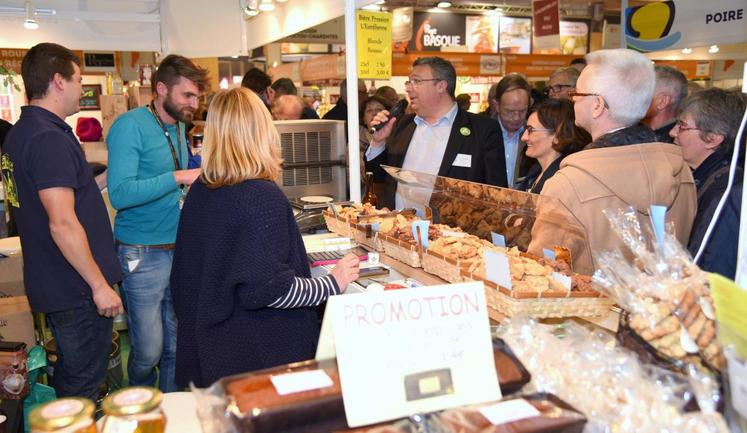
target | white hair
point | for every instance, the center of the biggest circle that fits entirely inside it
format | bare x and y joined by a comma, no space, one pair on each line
626,79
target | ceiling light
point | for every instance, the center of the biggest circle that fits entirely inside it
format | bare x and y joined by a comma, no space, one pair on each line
372,7
381,2
444,4
687,50
30,22
282,1
713,49
250,9
267,6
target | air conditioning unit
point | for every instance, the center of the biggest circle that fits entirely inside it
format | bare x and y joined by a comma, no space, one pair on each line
314,158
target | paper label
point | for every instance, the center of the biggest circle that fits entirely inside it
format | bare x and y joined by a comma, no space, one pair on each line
463,160
302,381
497,269
423,224
563,279
658,222
509,411
498,239
548,253
132,264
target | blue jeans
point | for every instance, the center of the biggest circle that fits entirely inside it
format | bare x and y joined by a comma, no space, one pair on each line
151,321
84,340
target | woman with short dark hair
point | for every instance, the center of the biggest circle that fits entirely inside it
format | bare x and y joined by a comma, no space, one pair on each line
551,134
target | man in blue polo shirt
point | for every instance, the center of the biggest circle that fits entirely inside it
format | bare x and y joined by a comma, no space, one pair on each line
68,250
148,179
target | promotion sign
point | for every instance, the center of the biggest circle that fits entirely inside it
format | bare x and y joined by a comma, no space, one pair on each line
685,23
374,45
436,31
546,14
482,34
412,351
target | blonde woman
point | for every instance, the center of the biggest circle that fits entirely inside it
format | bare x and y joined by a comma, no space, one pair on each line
243,295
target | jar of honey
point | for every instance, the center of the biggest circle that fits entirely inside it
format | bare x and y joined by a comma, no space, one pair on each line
65,415
135,410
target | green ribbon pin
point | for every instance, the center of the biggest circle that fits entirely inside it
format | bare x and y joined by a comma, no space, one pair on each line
465,131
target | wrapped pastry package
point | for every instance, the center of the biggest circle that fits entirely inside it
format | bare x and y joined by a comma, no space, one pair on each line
608,383
669,309
252,402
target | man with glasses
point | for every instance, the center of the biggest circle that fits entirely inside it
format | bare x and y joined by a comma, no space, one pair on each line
624,166
562,82
513,99
439,138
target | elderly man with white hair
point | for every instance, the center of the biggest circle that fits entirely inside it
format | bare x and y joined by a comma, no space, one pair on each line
624,166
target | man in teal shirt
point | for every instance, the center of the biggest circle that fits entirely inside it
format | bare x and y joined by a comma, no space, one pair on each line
148,179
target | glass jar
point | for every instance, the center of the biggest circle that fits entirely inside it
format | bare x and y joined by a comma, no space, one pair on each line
65,415
134,410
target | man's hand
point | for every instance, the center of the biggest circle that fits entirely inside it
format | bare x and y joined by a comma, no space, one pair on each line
107,301
186,177
346,271
380,136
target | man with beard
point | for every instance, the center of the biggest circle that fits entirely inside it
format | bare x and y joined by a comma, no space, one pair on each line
148,181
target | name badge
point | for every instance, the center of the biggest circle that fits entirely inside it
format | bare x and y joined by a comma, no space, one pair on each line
463,160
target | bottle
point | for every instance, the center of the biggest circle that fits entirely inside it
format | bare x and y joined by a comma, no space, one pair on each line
109,83
117,85
136,409
65,415
370,196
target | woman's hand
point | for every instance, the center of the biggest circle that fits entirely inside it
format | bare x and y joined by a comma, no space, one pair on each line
346,271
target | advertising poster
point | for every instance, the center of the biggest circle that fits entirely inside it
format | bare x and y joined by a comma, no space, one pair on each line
374,45
546,16
690,23
401,28
515,35
482,34
434,31
574,37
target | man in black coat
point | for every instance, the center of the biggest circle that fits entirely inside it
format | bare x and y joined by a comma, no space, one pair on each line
439,138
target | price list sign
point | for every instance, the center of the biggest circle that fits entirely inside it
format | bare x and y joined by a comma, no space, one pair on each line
374,45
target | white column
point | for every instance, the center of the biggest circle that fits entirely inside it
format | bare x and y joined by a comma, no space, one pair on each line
741,276
351,72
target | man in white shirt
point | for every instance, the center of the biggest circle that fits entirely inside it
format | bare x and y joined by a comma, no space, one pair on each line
439,138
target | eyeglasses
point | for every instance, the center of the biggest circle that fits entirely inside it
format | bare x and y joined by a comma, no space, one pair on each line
557,88
418,81
574,95
531,129
682,126
514,113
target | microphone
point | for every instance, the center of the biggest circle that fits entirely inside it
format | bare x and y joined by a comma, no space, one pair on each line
398,109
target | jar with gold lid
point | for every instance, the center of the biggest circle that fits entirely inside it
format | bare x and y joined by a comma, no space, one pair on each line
65,415
134,410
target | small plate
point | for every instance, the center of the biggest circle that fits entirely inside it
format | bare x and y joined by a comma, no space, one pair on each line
316,199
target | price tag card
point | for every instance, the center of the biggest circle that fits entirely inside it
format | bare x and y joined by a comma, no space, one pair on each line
418,350
498,239
548,253
509,411
658,221
497,269
302,381
423,225
565,280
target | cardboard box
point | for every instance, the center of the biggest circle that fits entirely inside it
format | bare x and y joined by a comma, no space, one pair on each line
16,322
11,276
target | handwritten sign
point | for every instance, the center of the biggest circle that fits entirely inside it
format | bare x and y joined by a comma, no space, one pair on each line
374,45
417,350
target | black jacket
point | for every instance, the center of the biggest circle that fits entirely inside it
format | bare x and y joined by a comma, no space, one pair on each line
483,142
527,183
338,112
711,179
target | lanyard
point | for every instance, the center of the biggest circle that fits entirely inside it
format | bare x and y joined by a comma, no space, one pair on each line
177,164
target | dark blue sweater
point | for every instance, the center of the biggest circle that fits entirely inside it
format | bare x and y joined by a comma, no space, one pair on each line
238,249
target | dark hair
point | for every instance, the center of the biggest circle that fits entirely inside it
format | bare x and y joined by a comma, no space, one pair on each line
463,99
284,86
558,115
716,111
387,106
381,91
174,67
510,82
40,64
256,80
441,69
578,61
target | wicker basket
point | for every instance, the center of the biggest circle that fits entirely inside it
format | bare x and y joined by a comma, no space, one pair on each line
364,235
401,251
338,225
540,305
444,267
